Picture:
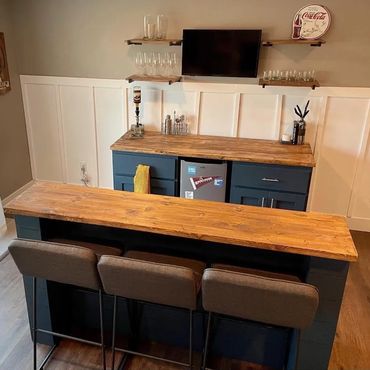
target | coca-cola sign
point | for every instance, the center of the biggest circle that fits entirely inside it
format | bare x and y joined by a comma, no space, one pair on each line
311,22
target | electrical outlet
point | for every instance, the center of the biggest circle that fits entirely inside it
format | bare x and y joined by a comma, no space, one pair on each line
83,173
83,168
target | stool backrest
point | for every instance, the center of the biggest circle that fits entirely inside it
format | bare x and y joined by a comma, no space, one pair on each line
148,281
68,264
258,298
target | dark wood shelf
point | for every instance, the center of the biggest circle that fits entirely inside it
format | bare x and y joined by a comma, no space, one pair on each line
311,84
316,43
170,42
168,79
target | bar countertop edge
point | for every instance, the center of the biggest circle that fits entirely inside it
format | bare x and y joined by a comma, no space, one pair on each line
305,233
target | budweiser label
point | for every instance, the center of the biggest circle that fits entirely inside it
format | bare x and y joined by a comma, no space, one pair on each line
311,22
199,181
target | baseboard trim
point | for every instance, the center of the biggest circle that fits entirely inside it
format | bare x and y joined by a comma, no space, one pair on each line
359,224
16,193
3,229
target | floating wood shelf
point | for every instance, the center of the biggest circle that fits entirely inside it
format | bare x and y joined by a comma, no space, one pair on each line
169,79
311,84
317,43
170,42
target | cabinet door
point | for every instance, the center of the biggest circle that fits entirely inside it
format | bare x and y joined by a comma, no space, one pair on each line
295,202
125,183
162,187
249,197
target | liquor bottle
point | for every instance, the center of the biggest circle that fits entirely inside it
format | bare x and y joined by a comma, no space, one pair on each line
295,133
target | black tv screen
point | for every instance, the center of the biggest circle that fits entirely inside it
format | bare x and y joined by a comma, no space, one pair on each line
226,53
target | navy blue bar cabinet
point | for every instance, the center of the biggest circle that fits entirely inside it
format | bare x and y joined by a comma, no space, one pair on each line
260,172
48,210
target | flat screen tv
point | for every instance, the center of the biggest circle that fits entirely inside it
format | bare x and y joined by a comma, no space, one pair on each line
226,53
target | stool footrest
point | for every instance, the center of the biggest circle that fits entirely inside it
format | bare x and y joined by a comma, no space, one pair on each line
151,356
69,337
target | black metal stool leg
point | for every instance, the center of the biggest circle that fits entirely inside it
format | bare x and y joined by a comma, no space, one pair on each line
34,322
114,330
102,328
191,339
207,341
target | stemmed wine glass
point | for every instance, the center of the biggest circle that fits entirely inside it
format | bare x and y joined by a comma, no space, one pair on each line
174,64
139,62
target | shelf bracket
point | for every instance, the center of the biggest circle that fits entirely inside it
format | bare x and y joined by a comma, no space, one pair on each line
130,42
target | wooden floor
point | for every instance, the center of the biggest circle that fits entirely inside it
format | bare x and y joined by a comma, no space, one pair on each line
351,348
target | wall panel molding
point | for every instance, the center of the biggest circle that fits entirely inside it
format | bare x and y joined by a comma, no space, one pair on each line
238,110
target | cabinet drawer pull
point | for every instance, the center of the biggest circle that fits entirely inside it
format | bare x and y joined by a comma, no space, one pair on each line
272,203
263,202
270,180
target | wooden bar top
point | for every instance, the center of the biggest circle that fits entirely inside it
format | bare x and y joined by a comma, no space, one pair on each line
218,147
306,233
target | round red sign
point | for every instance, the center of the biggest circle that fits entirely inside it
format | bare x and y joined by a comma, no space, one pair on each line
311,22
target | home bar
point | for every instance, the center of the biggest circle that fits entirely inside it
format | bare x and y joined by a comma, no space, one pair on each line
316,247
184,185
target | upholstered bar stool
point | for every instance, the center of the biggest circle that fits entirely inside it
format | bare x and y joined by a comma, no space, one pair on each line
98,249
65,264
152,278
260,296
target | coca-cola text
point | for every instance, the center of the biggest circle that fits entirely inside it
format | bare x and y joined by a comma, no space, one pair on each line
314,15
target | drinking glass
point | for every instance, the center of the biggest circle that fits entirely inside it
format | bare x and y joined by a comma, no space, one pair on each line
155,61
160,64
149,27
162,24
166,64
139,62
311,75
147,63
174,64
150,64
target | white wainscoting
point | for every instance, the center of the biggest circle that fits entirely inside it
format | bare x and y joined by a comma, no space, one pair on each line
75,120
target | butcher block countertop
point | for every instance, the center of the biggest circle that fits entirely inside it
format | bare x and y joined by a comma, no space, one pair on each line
218,147
306,233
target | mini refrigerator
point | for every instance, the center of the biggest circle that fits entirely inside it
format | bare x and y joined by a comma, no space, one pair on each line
200,180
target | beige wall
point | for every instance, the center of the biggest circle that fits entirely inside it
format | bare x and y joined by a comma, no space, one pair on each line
85,38
15,168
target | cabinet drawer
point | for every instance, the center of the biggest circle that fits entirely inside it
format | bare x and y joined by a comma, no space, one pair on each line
271,177
163,167
157,186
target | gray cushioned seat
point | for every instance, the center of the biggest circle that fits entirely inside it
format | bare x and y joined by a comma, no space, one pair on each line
153,278
68,264
248,270
259,298
98,249
196,266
